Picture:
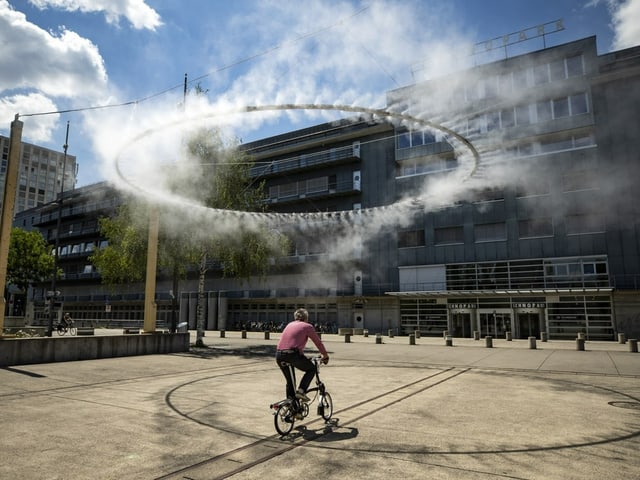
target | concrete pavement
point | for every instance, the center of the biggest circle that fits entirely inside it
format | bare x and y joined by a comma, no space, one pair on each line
406,411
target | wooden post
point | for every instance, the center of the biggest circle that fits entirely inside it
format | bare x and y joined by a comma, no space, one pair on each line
152,264
8,204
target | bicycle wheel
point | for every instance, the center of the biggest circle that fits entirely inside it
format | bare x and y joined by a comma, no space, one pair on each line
325,406
284,419
61,330
73,330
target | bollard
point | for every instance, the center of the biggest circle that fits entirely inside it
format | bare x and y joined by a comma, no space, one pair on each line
412,339
449,341
266,335
532,343
378,338
580,344
633,345
417,332
581,335
508,336
221,333
347,338
621,338
476,335
543,336
390,333
366,333
488,341
244,334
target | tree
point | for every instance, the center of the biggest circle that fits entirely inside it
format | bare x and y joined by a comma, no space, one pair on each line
30,259
217,175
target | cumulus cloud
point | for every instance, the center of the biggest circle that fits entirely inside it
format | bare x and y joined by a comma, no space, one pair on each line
626,23
137,12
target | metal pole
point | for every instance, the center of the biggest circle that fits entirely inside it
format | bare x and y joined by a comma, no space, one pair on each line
53,294
8,204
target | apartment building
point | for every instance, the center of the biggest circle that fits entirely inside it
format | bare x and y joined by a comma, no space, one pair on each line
395,226
43,174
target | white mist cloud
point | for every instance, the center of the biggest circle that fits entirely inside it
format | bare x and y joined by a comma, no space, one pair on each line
137,12
626,23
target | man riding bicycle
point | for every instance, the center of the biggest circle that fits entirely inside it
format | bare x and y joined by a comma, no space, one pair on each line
290,351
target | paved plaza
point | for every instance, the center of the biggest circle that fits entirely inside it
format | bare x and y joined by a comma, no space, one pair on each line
400,411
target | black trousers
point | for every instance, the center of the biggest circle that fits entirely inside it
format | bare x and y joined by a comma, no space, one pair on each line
287,361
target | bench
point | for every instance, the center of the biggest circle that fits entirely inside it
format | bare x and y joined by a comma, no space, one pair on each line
85,331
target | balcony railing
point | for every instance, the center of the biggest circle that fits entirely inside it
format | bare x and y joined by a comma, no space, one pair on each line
308,160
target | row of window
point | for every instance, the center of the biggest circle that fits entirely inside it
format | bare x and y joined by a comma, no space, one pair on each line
508,83
490,232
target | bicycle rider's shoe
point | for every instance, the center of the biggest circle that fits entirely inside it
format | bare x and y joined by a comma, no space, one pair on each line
300,395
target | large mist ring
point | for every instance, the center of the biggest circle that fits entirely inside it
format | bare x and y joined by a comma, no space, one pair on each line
464,172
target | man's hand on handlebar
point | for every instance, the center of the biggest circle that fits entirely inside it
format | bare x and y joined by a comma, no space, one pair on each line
325,359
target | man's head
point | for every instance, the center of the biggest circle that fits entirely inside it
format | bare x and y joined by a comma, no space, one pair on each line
301,314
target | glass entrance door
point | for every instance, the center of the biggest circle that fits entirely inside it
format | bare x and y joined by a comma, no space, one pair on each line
461,325
494,324
529,325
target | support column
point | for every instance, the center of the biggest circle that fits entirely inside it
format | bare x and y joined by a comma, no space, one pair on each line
8,204
150,306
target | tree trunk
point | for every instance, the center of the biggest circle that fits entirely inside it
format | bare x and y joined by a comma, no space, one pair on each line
200,307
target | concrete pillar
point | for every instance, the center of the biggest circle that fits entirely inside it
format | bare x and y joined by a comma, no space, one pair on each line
532,343
622,338
476,335
543,336
347,338
449,341
508,336
378,338
221,333
580,344
488,341
412,339
633,345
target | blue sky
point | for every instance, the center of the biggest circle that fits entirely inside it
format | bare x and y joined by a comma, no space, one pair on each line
62,55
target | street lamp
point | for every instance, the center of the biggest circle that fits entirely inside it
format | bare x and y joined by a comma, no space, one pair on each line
54,294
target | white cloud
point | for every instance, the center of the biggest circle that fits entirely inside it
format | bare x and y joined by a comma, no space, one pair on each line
626,23
137,12
62,65
38,129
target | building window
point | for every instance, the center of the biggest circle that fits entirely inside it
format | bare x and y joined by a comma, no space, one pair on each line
448,235
579,180
536,227
560,107
578,104
415,138
584,223
575,66
490,232
414,238
544,111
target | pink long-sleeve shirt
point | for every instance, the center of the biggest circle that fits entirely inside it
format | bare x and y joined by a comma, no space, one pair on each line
295,335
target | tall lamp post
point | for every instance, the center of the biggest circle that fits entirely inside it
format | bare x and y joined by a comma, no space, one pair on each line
53,294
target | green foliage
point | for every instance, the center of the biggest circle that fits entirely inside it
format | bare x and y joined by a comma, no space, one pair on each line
217,175
30,259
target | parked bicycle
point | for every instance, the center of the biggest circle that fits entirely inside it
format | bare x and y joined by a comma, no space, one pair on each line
287,411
